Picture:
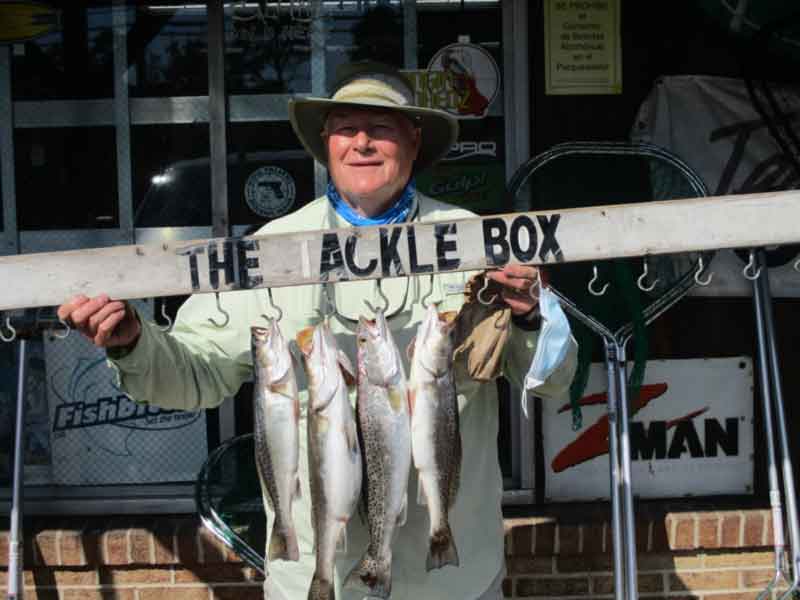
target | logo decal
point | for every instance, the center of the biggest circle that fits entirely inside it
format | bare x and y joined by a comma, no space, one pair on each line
269,192
464,80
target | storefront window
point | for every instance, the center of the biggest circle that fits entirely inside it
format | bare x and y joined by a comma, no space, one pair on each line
66,178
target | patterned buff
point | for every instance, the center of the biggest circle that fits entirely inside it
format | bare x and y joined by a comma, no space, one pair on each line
397,213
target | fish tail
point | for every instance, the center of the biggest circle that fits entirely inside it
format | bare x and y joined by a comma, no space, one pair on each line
283,543
442,549
321,589
371,576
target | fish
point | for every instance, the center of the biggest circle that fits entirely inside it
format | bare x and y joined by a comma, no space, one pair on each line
276,407
384,428
435,435
334,454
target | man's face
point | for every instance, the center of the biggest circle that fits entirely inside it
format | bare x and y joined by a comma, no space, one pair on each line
370,155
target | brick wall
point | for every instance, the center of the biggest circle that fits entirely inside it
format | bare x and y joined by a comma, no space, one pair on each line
722,555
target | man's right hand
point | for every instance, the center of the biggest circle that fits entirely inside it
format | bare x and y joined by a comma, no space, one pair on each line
107,323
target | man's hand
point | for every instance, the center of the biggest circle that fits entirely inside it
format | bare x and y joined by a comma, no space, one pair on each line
517,281
107,323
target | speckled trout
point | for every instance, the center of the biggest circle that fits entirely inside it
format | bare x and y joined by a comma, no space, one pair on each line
385,433
276,415
334,457
435,436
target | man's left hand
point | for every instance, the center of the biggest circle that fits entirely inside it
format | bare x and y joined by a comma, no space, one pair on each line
517,281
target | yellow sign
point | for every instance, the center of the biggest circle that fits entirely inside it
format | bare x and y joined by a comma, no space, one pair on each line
21,21
582,47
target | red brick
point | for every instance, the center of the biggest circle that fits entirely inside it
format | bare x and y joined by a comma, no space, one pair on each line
35,593
507,544
544,539
703,580
93,544
164,534
61,577
211,548
593,538
684,534
731,526
519,565
46,543
508,587
758,578
729,596
561,586
585,563
72,548
522,540
708,532
130,575
754,529
174,593
186,536
250,592
141,541
739,559
3,548
217,573
673,561
647,583
568,539
105,594
642,534
115,546
660,535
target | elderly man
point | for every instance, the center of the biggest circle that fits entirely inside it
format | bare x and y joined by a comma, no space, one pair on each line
372,139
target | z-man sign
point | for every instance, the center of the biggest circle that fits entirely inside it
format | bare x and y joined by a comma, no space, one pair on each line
309,257
691,433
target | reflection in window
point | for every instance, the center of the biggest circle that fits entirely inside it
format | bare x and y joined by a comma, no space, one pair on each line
168,51
74,60
66,178
171,175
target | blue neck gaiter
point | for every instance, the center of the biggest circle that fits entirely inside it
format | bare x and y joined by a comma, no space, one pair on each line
397,213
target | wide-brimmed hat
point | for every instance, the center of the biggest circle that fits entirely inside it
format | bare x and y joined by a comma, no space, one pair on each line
373,85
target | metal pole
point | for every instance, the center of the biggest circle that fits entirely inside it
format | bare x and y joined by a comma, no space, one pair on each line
15,589
772,464
628,511
613,462
780,416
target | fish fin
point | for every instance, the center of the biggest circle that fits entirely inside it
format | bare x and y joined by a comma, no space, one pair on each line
403,516
341,541
283,544
410,349
371,577
298,491
348,372
352,437
442,549
422,500
321,589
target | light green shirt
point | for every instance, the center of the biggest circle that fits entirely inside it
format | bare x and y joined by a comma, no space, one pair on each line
197,365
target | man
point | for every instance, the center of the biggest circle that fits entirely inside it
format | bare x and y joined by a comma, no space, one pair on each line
372,139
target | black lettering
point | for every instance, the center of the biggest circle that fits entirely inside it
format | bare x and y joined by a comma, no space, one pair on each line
125,408
90,414
494,238
331,258
413,257
193,270
650,443
549,242
107,410
444,246
246,263
389,252
523,222
727,439
685,434
350,257
215,265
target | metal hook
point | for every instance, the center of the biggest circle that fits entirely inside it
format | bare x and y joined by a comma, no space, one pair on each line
223,311
383,297
165,316
482,290
66,330
748,268
700,269
424,299
593,280
643,276
10,327
535,285
274,307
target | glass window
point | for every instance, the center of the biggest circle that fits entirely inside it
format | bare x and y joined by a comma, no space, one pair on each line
72,59
66,178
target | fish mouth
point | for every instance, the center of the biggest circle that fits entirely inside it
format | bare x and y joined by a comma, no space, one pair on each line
448,316
259,333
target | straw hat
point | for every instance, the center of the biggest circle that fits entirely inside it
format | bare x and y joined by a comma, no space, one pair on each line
373,85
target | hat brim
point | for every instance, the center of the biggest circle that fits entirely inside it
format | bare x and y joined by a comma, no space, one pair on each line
439,129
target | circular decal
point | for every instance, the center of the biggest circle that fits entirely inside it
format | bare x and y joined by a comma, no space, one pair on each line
269,192
471,76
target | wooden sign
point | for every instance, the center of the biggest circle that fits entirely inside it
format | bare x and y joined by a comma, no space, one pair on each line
408,249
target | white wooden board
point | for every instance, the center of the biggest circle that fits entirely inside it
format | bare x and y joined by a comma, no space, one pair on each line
595,233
